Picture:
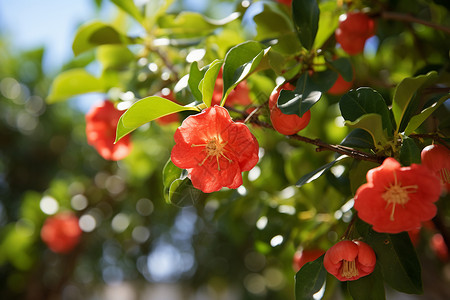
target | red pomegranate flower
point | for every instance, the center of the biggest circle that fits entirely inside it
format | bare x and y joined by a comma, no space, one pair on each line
101,123
283,123
61,232
437,159
214,149
349,260
301,257
396,198
240,94
353,31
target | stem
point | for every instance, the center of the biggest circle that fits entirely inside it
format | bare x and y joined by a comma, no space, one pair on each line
389,15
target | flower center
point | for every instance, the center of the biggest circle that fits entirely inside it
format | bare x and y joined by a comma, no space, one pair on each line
445,175
213,148
397,194
349,269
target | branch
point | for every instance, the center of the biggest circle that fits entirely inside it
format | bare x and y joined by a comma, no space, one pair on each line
389,15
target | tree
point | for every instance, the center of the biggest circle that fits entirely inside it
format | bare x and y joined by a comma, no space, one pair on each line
226,191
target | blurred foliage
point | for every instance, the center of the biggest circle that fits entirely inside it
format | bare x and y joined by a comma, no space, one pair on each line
233,241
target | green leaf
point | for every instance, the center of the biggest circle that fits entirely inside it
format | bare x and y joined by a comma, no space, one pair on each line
357,103
306,19
370,287
417,120
195,76
146,110
116,57
405,92
130,8
328,22
208,82
241,61
371,123
154,10
74,82
311,176
272,22
396,257
358,138
409,152
308,91
310,279
344,67
93,34
183,193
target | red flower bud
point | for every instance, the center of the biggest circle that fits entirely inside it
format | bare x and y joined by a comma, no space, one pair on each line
301,257
214,149
349,260
284,123
61,232
396,198
353,31
437,159
101,123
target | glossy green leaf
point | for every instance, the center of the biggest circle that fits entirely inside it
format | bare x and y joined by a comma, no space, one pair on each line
306,19
272,22
308,91
310,279
311,176
146,110
115,57
74,82
239,62
182,193
344,67
195,76
94,34
418,119
396,257
328,22
358,138
370,287
372,123
409,152
208,82
129,8
357,103
405,92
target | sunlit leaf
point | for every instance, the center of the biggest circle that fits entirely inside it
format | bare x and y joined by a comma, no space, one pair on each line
195,76
306,19
404,93
130,8
372,123
146,110
310,279
209,80
417,120
74,82
328,22
115,57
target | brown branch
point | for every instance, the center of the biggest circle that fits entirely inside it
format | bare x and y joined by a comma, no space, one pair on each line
389,15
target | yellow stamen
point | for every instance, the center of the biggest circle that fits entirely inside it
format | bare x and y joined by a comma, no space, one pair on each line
397,194
213,147
349,269
444,173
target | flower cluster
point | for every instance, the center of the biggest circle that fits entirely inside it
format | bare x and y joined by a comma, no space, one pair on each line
214,149
61,233
101,123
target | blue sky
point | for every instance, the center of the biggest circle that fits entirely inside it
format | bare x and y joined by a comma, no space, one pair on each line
28,24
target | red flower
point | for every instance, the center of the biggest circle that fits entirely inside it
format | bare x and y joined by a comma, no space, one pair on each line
340,86
396,198
101,123
283,123
214,149
240,94
349,260
353,31
301,257
437,159
172,118
286,2
61,232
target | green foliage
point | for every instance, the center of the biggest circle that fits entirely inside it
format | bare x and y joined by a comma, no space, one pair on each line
306,19
309,279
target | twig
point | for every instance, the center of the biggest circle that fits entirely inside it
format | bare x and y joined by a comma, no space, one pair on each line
389,15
